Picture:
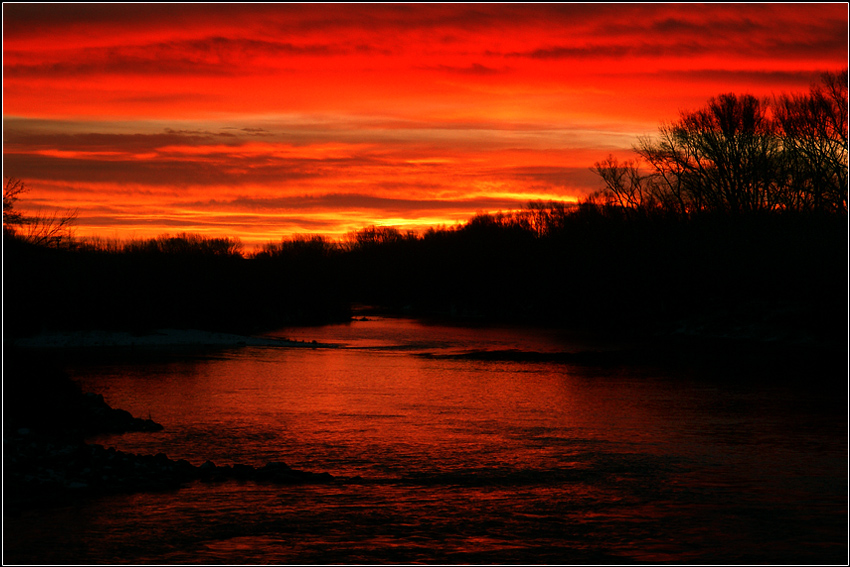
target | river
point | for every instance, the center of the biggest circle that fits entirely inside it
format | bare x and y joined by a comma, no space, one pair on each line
441,455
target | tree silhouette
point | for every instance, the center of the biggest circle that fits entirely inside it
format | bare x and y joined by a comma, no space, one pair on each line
42,229
12,189
739,154
722,157
625,185
186,244
814,131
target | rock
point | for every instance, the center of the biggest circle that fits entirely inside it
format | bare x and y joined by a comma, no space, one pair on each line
48,463
276,466
243,471
214,478
47,401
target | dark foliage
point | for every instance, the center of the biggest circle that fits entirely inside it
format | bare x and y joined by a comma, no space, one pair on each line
588,265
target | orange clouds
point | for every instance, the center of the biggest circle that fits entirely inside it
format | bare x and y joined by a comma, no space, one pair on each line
260,120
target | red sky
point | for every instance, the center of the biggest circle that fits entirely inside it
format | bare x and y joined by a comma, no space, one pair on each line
261,121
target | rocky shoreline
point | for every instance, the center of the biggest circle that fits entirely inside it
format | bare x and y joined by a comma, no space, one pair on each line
47,461
149,339
43,470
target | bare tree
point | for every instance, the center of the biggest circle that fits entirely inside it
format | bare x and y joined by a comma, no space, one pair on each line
54,230
740,153
545,218
722,157
12,188
814,136
625,183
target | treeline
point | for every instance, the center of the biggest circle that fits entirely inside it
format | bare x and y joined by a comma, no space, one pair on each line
184,281
588,265
740,221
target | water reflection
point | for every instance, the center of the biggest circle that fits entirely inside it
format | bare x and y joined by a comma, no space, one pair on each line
453,460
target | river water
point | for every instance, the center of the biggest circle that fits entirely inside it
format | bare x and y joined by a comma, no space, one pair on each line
441,457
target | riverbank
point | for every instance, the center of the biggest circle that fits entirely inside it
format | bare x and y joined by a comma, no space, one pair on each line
44,470
47,461
159,338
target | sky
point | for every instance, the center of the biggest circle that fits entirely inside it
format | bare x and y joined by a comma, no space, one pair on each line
264,121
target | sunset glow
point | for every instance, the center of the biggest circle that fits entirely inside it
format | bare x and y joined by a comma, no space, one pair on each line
261,121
